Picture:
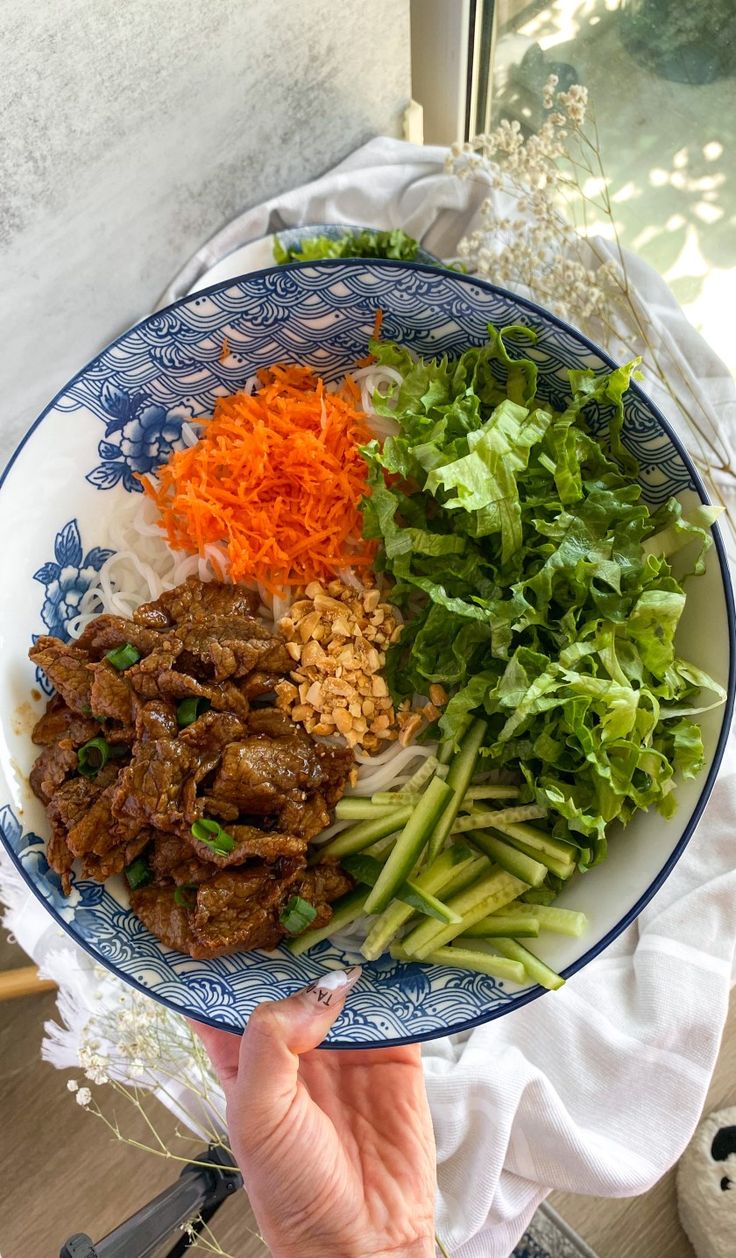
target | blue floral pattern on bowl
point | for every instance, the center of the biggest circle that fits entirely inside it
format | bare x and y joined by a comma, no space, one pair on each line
65,579
140,392
144,432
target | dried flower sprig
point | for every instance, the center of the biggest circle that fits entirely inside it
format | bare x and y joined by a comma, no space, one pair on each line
535,233
139,1050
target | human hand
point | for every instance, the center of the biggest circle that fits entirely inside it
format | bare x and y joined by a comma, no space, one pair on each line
336,1147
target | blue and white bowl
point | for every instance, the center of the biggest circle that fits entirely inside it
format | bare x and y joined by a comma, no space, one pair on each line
122,414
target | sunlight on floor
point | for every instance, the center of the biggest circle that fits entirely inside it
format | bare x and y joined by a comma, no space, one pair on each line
667,149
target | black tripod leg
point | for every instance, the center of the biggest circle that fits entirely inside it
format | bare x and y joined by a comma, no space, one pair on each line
197,1192
197,1225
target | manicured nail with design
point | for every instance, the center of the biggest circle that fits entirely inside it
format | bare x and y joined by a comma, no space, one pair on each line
332,987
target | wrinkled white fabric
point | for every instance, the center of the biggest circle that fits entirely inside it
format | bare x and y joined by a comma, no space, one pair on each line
598,1088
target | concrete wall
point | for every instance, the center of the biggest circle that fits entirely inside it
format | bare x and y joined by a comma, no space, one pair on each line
131,130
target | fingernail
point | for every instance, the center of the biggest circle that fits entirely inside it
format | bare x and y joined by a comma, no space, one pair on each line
333,986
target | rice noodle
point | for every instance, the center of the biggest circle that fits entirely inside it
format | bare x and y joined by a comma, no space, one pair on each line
143,567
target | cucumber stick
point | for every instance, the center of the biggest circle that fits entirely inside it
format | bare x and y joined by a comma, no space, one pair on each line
535,838
462,768
563,869
362,835
477,820
505,923
491,790
410,843
464,959
540,895
465,876
491,892
367,869
344,911
394,799
421,777
557,921
426,903
538,972
353,808
509,858
454,863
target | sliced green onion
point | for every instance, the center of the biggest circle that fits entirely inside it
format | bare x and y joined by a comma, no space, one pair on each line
213,836
297,915
189,709
182,898
123,656
93,756
344,911
138,873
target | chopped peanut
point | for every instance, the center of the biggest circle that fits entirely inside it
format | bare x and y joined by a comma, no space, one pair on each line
337,638
412,727
343,720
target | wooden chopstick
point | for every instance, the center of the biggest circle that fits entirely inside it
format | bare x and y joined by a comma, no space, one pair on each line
23,982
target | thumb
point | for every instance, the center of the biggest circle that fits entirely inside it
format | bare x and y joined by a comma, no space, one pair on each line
279,1031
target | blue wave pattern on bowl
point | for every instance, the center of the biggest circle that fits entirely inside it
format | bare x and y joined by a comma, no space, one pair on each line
142,389
171,368
421,1000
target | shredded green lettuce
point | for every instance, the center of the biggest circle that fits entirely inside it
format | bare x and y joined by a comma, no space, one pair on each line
536,582
357,244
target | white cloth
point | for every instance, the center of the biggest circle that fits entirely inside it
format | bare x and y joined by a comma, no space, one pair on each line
597,1089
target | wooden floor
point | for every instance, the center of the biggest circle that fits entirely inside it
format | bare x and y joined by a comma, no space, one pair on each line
62,1173
60,1170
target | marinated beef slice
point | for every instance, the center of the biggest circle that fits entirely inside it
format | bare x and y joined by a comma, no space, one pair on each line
268,784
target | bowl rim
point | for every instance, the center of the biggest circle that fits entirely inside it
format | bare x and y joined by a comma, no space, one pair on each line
533,993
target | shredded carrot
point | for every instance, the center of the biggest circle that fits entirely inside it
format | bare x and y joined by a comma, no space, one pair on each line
225,349
369,359
277,477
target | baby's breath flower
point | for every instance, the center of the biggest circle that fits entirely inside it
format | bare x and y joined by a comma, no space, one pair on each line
96,1071
83,1097
72,1085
